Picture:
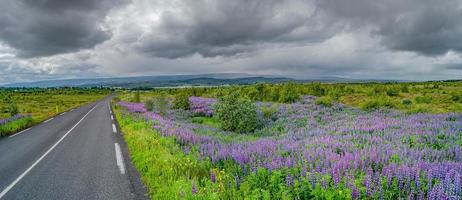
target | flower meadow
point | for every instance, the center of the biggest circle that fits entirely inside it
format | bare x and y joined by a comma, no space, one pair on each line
313,151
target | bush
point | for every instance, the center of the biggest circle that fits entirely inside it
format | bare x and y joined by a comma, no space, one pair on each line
181,102
407,102
239,115
404,89
136,97
455,98
392,92
371,105
423,99
116,99
161,104
149,105
288,93
13,109
270,112
325,101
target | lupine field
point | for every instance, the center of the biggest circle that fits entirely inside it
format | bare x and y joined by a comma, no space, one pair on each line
304,150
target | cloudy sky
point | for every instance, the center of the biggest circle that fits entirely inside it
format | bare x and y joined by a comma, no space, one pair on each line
361,39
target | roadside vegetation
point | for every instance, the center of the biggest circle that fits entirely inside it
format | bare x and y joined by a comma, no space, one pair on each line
22,108
297,141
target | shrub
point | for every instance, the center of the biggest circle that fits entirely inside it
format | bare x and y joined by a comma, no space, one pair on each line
136,97
392,92
404,89
370,105
270,112
325,101
317,90
149,105
288,93
161,104
407,102
236,114
455,98
13,109
275,94
181,102
116,99
423,99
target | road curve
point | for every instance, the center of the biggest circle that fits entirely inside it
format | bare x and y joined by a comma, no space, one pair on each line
76,155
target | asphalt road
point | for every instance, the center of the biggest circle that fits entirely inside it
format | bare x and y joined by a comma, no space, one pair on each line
76,155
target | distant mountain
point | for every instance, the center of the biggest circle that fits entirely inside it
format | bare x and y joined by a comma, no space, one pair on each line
154,81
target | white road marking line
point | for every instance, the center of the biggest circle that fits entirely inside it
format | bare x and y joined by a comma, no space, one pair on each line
8,188
119,158
62,113
112,118
48,120
114,129
19,132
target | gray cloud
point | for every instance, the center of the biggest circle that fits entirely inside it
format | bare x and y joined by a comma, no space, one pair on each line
225,28
384,39
453,66
426,27
47,27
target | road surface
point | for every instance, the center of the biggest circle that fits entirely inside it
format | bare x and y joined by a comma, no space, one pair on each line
76,155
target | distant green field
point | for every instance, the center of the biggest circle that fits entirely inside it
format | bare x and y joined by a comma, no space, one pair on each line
42,104
432,97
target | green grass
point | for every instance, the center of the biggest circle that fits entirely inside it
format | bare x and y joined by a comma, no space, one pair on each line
14,126
43,104
215,123
209,121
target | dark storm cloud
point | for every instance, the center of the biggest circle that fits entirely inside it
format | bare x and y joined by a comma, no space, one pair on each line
224,28
47,27
423,26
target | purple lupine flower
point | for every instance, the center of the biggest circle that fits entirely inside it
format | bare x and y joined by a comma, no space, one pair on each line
193,188
213,178
354,193
367,182
200,105
13,118
289,180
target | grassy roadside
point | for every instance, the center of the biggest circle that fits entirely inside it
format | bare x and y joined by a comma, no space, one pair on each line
14,126
166,171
